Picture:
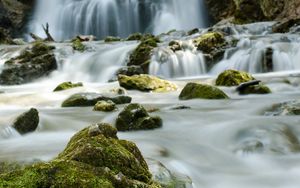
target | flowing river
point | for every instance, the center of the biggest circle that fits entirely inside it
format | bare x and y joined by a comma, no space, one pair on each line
230,143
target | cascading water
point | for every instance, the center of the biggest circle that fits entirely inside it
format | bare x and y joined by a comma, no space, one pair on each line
68,18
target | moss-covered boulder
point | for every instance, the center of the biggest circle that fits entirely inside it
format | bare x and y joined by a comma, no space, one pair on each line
210,41
90,99
233,78
27,122
136,117
31,64
112,39
144,82
141,55
105,106
67,85
134,36
94,157
78,45
201,91
253,87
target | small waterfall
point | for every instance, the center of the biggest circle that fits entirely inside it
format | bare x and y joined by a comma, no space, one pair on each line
68,18
182,63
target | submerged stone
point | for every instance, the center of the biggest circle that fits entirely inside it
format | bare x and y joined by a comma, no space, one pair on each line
90,99
105,106
67,85
201,91
136,117
144,82
91,159
233,78
27,122
291,108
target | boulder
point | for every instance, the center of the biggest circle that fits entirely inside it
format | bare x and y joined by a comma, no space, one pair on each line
233,78
175,45
136,117
27,122
253,87
144,82
94,157
291,108
90,99
201,91
78,45
208,42
31,64
67,85
130,70
134,36
112,39
105,106
141,55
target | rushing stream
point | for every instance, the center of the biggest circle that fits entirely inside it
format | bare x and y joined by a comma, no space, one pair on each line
230,143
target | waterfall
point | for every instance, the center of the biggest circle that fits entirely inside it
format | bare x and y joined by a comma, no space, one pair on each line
68,18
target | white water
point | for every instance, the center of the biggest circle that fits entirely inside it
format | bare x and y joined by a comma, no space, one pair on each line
68,18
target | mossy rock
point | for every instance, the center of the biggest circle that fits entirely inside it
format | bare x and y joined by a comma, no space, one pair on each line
175,45
134,36
291,108
94,157
233,78
201,91
78,45
105,106
255,89
142,53
144,82
112,39
31,64
27,122
136,117
67,85
208,42
90,99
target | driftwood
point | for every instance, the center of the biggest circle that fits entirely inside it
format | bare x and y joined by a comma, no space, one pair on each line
46,30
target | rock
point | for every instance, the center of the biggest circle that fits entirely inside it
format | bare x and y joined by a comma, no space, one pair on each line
31,64
233,78
210,41
136,117
27,122
253,87
175,45
267,64
285,25
130,70
105,106
4,37
119,91
14,16
78,46
86,38
18,41
201,91
146,82
134,36
90,99
67,85
291,108
142,53
193,31
91,159
112,39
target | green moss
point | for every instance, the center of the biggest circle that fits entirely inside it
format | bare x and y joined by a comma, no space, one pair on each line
201,91
144,82
142,53
136,117
94,157
210,41
112,39
67,85
233,78
78,45
105,106
134,36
